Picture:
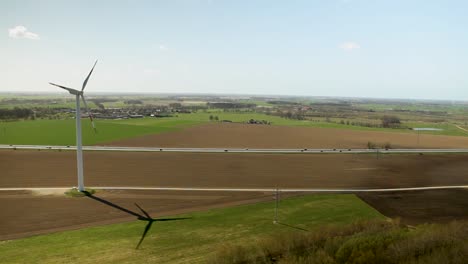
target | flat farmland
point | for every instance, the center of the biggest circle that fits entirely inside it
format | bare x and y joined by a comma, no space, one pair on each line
58,169
51,212
233,135
416,207
25,214
186,238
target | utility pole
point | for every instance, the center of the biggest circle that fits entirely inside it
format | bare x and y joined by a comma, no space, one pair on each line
418,138
275,221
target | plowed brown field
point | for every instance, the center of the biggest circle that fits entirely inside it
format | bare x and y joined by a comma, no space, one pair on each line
24,214
416,207
224,135
53,168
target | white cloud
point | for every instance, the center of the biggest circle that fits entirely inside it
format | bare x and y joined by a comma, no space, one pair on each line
22,32
163,47
349,46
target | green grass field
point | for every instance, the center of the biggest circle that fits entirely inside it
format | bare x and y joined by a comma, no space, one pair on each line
201,117
62,132
447,129
453,108
192,240
31,101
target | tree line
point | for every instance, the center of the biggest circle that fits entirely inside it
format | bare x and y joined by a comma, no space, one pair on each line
16,113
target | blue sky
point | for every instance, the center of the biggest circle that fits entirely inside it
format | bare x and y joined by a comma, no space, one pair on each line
359,48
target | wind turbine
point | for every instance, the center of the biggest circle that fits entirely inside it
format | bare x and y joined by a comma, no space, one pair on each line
79,147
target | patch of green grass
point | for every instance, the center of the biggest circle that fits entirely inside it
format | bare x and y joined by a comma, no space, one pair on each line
62,132
257,102
447,128
47,101
246,116
75,193
186,241
276,120
416,106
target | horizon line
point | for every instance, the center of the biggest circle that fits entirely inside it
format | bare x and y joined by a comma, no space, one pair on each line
241,95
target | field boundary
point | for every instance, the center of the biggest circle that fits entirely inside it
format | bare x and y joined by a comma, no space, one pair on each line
233,150
312,190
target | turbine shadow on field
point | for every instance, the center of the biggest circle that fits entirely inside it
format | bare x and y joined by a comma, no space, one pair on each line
142,217
295,227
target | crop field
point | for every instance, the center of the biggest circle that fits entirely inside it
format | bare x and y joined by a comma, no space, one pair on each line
32,169
10,101
447,128
52,211
416,207
194,132
207,120
56,100
202,222
191,239
62,132
220,135
231,170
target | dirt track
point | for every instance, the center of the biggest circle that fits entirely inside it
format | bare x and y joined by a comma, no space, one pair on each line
222,135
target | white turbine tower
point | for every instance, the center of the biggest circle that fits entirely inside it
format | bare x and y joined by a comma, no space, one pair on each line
79,150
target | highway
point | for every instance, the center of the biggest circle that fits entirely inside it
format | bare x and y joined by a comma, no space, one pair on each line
231,150
314,190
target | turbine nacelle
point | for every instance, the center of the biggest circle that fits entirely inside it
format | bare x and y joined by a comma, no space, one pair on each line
74,91
81,94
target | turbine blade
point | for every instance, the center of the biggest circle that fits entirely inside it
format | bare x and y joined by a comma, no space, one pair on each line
147,228
89,113
70,90
143,211
87,78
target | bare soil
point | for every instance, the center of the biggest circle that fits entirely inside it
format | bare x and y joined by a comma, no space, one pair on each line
58,169
25,214
421,206
232,135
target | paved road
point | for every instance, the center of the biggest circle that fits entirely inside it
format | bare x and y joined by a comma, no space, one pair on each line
353,190
231,150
